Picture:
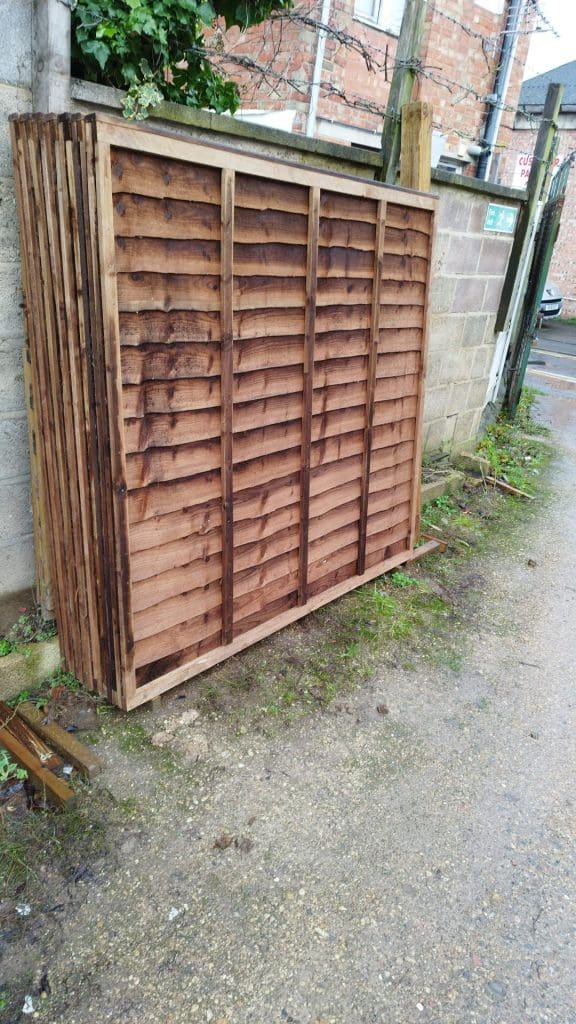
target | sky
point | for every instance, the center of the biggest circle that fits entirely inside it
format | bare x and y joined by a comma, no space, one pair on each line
546,51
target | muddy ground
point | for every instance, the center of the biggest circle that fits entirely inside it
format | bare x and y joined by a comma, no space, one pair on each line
404,854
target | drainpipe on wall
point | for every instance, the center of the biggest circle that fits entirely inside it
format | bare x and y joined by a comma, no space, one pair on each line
515,11
317,73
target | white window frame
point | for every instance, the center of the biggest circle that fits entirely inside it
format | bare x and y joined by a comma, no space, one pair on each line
381,18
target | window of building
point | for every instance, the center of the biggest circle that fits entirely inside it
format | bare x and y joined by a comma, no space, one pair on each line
383,14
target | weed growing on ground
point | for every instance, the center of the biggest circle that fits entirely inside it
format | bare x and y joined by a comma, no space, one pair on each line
9,770
67,842
30,627
514,457
55,687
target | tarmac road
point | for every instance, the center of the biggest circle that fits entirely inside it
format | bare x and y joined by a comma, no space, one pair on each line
556,350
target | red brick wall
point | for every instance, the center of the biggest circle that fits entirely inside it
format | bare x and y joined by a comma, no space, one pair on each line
563,266
457,69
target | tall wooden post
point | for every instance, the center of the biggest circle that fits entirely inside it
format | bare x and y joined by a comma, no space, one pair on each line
408,54
51,56
416,146
538,174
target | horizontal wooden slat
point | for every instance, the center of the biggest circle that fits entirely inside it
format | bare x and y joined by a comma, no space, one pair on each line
342,555
165,218
261,226
202,619
406,217
158,362
155,590
157,534
403,268
163,178
337,261
268,323
402,339
257,354
163,498
249,605
406,242
388,544
347,234
148,673
167,256
344,207
157,327
401,317
402,293
275,195
384,480
168,396
143,291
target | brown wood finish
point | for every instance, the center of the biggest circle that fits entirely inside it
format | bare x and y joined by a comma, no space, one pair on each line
226,365
308,389
227,402
371,384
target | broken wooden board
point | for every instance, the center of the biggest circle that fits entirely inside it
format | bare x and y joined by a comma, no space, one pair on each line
75,752
55,789
22,731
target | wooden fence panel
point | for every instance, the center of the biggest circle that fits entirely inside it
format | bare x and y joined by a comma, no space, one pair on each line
228,358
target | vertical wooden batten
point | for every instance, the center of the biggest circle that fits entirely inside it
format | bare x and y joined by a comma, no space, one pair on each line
227,399
308,388
80,151
419,440
374,342
113,376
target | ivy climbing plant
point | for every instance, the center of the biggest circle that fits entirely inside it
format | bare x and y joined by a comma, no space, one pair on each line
155,49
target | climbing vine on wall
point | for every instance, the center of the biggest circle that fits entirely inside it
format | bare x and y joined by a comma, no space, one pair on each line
155,49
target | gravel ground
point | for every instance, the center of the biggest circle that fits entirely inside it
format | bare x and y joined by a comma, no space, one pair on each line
415,866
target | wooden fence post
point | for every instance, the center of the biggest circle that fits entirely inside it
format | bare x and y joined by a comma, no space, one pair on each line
534,188
406,62
416,146
51,56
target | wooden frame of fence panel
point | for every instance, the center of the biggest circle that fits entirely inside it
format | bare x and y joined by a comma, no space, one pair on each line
241,429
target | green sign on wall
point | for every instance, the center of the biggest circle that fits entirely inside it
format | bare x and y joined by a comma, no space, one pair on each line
501,218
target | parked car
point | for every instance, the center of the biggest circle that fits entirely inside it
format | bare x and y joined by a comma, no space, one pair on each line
551,305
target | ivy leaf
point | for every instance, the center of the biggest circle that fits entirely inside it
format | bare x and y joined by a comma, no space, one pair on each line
99,50
207,13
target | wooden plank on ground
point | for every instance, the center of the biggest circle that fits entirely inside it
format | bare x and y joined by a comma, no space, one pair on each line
74,752
56,790
21,731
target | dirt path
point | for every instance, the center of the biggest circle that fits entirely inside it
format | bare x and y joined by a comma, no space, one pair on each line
412,866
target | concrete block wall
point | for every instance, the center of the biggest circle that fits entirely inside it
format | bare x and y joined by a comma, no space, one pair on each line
467,278
16,544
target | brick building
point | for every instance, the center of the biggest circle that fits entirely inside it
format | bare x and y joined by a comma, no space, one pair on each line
517,166
336,87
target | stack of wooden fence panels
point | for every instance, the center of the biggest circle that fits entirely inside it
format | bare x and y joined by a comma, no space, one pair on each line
227,364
